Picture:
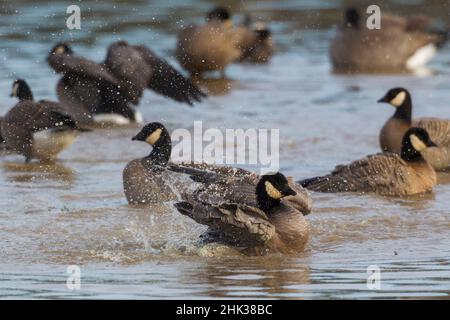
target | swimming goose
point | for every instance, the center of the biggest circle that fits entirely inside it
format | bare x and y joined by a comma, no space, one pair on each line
208,174
392,132
143,179
37,129
208,47
387,174
252,219
400,45
148,180
108,89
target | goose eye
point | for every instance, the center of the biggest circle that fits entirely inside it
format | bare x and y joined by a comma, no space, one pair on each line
60,49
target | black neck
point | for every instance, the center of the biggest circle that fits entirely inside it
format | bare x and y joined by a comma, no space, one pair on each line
265,203
25,94
404,112
162,150
352,19
409,153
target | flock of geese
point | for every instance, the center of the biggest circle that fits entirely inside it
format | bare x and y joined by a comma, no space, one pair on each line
254,214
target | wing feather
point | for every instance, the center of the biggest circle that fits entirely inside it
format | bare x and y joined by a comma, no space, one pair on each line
380,173
167,81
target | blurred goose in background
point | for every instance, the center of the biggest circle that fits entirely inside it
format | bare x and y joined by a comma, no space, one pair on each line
401,45
141,68
108,90
255,41
254,219
37,129
392,132
208,47
387,174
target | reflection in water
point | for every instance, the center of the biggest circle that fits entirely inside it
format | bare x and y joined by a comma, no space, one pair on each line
267,277
215,86
35,171
443,177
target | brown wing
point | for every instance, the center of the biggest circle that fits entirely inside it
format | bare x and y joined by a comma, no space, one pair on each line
28,117
438,129
78,113
228,178
89,84
228,184
301,201
209,173
381,173
80,68
38,116
167,81
128,65
236,223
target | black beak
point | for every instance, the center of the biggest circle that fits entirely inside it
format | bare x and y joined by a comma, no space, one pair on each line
287,191
384,99
139,137
431,144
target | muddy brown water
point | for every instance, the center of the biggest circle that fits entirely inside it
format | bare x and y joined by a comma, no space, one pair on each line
74,212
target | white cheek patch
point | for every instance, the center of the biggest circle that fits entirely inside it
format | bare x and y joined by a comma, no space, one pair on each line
15,89
151,139
60,49
417,143
399,99
272,191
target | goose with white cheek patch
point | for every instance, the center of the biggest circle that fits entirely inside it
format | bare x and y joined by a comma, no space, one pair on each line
150,179
392,133
37,129
144,180
253,219
255,42
387,174
400,45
